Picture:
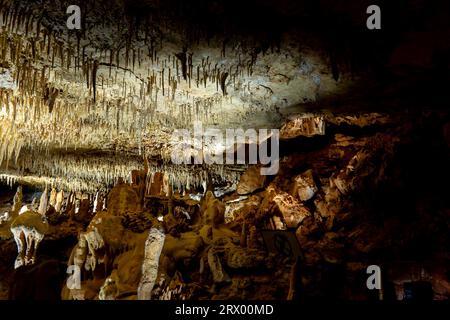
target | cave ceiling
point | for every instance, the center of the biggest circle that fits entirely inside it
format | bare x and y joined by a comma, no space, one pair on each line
88,105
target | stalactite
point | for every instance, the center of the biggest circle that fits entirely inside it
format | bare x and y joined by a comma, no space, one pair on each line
223,79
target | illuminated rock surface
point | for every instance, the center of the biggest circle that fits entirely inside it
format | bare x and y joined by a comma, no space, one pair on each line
87,180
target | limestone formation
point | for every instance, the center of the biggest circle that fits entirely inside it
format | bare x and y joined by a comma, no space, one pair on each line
307,126
304,186
43,203
218,273
251,181
291,210
153,248
28,229
59,201
132,149
17,202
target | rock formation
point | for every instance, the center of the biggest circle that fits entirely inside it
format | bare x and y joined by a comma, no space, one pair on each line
28,229
94,121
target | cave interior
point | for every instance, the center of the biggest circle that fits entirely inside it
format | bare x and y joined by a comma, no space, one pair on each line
356,123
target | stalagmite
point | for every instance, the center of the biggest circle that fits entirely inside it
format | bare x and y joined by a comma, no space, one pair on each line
23,210
17,202
59,201
153,248
94,112
95,202
43,203
52,200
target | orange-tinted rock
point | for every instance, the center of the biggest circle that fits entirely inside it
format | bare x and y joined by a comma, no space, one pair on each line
303,126
304,186
156,185
251,181
292,211
123,198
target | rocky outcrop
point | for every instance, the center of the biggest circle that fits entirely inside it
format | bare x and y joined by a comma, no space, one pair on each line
28,229
329,198
306,126
292,211
304,186
251,181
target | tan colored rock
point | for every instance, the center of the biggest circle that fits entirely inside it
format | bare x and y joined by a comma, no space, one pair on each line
104,230
291,210
304,186
43,203
247,207
52,200
28,229
251,181
214,210
110,290
17,202
184,247
232,210
59,201
361,120
326,209
156,184
153,248
278,223
347,179
303,126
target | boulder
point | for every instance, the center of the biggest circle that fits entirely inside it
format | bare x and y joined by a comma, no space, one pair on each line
214,210
251,181
292,211
304,186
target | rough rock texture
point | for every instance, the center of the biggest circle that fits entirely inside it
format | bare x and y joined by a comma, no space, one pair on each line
292,212
304,186
123,198
303,126
153,247
17,204
250,181
345,201
28,229
364,138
